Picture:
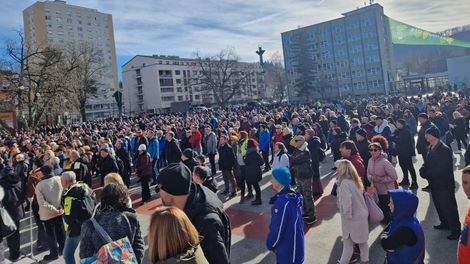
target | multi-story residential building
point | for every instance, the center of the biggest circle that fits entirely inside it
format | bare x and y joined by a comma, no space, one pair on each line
351,55
56,23
7,100
153,83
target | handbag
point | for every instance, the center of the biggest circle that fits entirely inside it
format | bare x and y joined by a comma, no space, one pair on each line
334,190
7,225
375,213
372,191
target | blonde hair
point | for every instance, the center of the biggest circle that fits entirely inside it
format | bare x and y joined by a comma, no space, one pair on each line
170,233
113,178
50,153
346,170
456,115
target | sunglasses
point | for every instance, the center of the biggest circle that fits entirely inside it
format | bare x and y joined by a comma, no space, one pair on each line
374,150
297,140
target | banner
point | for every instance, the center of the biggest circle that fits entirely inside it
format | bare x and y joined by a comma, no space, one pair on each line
409,35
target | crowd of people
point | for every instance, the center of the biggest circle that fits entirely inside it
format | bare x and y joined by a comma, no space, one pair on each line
54,173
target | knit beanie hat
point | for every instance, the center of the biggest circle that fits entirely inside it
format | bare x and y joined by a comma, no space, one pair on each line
423,115
46,170
361,132
433,131
338,130
402,122
175,179
188,153
282,176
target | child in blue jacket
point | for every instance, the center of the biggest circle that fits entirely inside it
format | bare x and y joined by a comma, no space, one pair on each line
286,230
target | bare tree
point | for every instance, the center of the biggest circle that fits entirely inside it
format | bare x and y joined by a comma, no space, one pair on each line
222,75
276,80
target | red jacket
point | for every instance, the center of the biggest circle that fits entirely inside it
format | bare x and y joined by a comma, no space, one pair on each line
195,139
358,163
463,252
277,138
246,127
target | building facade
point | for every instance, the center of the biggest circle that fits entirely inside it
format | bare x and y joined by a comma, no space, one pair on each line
153,83
56,23
351,55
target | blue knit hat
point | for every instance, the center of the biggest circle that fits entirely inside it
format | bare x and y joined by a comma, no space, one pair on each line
282,175
433,131
361,132
7,170
334,122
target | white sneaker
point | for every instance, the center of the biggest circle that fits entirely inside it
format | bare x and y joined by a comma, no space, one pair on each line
458,152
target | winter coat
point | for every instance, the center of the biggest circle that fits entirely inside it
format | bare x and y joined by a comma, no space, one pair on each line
403,142
33,181
81,172
440,123
108,165
191,163
264,140
143,165
277,137
382,174
117,227
363,149
422,143
226,157
210,143
154,148
314,148
205,211
335,145
253,162
404,221
459,128
124,156
195,140
411,122
342,123
71,202
438,168
189,256
286,141
358,163
141,141
354,212
300,163
49,194
280,160
13,199
286,236
172,151
383,130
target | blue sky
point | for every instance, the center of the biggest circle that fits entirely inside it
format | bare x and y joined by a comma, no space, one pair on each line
180,27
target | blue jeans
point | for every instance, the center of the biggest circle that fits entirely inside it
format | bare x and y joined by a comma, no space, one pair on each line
71,245
198,151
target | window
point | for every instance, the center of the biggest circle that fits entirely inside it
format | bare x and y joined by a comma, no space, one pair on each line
60,33
70,28
328,66
340,52
345,87
325,43
338,29
90,37
372,59
105,19
343,75
98,24
355,49
47,10
88,24
368,22
98,38
373,71
60,26
108,45
291,61
105,26
357,73
197,96
79,15
58,12
342,64
327,54
79,28
352,25
98,31
89,30
61,40
49,25
354,37
69,14
51,40
69,20
80,35
357,61
371,46
324,32
311,35
314,46
71,34
359,85
48,18
288,41
88,17
59,19
79,22
329,77
106,32
315,56
100,44
49,32
291,51
369,34
339,41
375,83
177,73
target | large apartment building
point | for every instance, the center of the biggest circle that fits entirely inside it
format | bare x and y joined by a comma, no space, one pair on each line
56,23
153,83
351,55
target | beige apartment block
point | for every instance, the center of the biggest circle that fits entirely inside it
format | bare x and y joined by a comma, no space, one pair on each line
56,23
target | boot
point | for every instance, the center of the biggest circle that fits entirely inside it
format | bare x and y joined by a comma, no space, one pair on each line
242,199
257,201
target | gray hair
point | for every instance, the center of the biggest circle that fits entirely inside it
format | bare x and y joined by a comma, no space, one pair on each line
69,176
54,161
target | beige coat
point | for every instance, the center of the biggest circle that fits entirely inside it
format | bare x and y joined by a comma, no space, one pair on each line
49,195
354,213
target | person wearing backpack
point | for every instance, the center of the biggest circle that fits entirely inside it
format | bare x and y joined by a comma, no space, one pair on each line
280,156
78,202
117,220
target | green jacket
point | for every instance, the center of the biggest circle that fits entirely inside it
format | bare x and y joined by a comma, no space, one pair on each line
190,256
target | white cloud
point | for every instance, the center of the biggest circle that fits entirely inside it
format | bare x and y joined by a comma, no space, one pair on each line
184,26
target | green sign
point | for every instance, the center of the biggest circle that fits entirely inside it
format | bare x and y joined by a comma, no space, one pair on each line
409,35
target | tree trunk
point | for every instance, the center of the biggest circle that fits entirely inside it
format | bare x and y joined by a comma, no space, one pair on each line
83,113
7,127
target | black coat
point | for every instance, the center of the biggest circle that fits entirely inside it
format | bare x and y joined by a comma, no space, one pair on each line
459,128
108,165
142,140
300,163
438,168
335,145
81,172
342,123
403,142
205,211
13,200
172,151
422,144
191,163
124,156
286,141
314,149
363,149
253,162
226,157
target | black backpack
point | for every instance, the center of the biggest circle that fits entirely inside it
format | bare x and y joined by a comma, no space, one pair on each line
121,167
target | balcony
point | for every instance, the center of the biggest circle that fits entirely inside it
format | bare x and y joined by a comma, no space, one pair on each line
137,75
166,76
139,84
166,82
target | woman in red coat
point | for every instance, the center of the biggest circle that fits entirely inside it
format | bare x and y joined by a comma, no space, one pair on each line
143,170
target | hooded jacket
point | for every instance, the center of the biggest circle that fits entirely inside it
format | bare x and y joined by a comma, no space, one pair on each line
253,162
264,140
382,174
440,123
300,163
403,142
405,236
195,139
72,204
154,148
13,200
205,211
286,234
383,130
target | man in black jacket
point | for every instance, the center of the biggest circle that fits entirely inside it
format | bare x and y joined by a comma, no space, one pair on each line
172,149
108,164
422,144
202,207
438,169
141,139
80,169
362,145
405,152
226,162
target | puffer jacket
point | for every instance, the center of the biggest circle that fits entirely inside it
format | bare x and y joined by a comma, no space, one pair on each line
300,163
382,174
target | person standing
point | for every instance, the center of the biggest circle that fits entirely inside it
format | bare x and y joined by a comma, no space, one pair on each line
349,152
463,252
143,170
154,152
253,174
405,152
438,169
264,137
458,130
49,195
353,210
286,231
440,122
108,164
122,154
280,156
314,149
226,161
422,144
301,166
362,145
78,202
404,240
382,174
172,148
210,143
195,139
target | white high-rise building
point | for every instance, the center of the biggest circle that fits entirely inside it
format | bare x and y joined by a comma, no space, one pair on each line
56,22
